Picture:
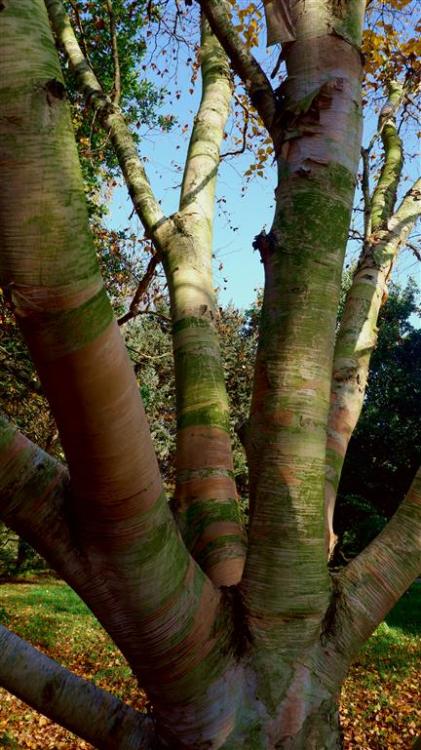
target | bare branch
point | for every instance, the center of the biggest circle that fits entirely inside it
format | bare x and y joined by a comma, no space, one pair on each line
415,249
141,289
76,704
244,139
357,336
116,92
244,63
384,194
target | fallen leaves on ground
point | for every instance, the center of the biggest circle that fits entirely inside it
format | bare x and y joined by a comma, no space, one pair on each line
380,713
381,698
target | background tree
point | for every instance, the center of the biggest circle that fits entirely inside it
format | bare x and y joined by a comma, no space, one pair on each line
238,641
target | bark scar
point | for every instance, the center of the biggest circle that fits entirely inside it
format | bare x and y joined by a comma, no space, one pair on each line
55,91
242,636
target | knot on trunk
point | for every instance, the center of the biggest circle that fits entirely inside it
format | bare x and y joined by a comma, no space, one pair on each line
265,244
55,91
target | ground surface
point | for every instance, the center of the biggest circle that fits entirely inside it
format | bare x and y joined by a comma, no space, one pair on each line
381,702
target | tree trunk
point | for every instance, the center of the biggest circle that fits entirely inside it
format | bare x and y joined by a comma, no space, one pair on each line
229,659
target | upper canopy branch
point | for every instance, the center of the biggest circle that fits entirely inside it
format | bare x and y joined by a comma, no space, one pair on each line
244,63
384,194
144,201
116,92
209,518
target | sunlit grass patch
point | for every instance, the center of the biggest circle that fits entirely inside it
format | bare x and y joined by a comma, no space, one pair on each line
380,699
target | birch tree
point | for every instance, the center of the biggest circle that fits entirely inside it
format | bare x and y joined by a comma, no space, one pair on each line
240,637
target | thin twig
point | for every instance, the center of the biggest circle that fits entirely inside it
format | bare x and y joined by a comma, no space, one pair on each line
244,135
415,249
141,289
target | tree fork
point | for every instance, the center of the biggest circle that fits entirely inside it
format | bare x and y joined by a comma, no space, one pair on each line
219,541
145,588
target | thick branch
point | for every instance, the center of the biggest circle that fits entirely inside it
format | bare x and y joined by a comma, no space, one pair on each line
76,704
33,492
285,583
205,494
245,65
384,195
357,337
144,201
358,331
49,271
374,581
35,501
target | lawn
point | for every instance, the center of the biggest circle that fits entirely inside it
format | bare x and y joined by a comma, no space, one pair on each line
381,701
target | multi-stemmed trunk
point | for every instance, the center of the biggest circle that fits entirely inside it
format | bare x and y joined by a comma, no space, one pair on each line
238,643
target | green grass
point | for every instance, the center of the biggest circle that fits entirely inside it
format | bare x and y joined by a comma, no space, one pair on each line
407,614
50,615
42,612
46,613
395,647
